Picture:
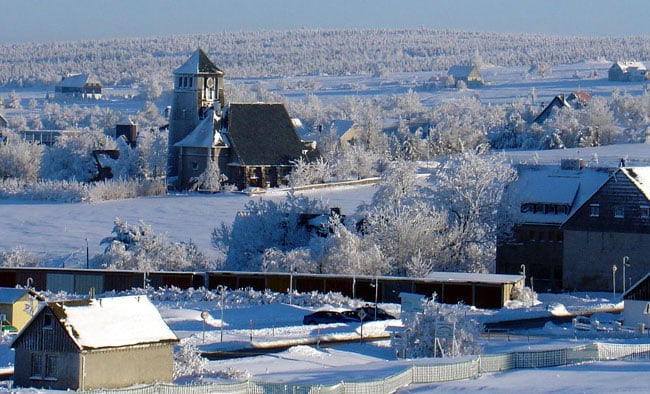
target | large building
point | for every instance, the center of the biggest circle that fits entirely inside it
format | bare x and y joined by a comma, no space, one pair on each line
569,225
254,145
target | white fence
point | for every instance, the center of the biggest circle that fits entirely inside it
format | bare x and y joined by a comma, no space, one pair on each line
417,373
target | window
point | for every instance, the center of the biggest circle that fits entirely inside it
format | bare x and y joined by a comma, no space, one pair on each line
50,367
47,321
594,210
618,212
37,366
645,212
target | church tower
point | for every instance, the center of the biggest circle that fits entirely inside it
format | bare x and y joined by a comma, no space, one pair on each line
198,87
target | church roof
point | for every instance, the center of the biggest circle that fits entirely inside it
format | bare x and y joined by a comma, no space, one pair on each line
262,134
203,136
198,63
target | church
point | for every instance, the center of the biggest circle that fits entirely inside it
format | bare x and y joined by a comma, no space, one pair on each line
254,145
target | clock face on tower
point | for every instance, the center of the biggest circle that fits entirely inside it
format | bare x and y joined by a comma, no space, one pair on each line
209,83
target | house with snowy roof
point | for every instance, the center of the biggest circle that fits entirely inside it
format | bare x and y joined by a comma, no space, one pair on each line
628,71
78,86
470,75
94,343
568,226
575,100
254,145
16,306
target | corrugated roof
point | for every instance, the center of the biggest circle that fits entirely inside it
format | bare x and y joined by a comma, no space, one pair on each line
198,63
262,134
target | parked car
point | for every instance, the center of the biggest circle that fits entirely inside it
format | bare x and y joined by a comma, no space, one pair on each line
327,317
8,328
369,311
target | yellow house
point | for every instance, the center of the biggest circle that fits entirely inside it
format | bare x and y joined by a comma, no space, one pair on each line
16,306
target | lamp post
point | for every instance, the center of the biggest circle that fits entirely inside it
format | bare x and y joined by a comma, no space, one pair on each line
87,255
222,291
614,282
626,263
376,286
291,284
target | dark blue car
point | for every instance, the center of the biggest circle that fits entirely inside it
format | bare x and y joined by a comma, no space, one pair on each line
328,317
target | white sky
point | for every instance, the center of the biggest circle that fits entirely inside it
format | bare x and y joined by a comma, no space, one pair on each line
62,20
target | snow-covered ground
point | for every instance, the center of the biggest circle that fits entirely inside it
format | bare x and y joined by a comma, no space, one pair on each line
266,319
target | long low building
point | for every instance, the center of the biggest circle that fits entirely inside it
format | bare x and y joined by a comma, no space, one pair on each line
480,290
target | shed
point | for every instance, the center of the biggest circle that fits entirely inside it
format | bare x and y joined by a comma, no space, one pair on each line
15,306
94,343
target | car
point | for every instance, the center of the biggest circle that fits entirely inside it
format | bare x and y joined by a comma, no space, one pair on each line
328,317
369,312
8,328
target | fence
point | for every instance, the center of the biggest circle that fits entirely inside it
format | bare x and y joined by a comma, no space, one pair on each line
417,373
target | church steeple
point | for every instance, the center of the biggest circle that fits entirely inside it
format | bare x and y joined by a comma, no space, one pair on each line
198,86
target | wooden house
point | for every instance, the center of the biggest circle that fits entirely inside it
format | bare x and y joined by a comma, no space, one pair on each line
612,223
78,86
470,75
16,306
94,343
628,71
533,210
570,227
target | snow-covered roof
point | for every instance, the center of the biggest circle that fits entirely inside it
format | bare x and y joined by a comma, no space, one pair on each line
113,322
198,63
460,71
204,134
550,184
466,277
624,65
641,178
75,81
9,295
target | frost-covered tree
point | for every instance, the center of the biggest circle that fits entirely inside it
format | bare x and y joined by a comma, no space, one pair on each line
420,334
309,173
71,156
18,257
188,361
469,186
263,225
19,159
211,179
13,101
152,149
137,247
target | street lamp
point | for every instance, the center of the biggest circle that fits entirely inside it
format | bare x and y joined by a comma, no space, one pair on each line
291,285
614,282
222,291
626,263
376,286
